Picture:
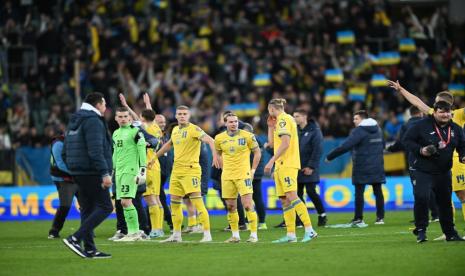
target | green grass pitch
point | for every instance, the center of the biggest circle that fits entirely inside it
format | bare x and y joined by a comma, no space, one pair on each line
388,249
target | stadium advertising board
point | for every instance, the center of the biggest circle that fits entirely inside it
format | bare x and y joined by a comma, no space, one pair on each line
41,202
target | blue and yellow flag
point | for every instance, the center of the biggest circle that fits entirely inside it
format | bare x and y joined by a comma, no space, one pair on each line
458,89
262,80
245,109
407,45
333,96
334,75
378,80
387,58
345,37
357,93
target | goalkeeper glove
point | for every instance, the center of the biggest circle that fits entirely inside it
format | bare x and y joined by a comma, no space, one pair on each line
141,176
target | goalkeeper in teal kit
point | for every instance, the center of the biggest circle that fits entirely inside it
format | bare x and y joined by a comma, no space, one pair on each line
129,161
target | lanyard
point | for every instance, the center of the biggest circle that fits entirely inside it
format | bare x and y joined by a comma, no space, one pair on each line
445,143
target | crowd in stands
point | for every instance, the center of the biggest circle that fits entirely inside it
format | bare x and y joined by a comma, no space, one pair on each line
206,54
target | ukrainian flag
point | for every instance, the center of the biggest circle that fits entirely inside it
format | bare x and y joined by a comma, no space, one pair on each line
262,80
378,80
407,45
333,96
245,109
458,89
387,58
345,37
334,75
357,93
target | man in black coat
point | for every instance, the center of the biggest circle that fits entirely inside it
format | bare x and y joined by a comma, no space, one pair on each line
311,149
416,115
88,155
432,142
367,146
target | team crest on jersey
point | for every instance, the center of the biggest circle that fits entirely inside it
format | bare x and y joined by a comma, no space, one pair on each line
282,124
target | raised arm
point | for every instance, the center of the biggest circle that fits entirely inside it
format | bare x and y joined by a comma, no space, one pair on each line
125,104
414,100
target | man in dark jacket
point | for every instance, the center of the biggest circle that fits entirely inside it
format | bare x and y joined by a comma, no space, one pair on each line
88,155
416,115
311,149
367,145
432,142
257,183
166,164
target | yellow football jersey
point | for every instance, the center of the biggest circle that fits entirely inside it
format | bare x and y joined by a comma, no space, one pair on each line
285,125
186,143
154,130
235,151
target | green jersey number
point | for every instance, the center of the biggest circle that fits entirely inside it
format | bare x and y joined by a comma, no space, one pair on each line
125,188
119,143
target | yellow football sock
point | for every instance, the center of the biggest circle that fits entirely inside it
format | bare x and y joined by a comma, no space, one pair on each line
233,219
289,218
302,212
202,212
192,221
162,216
252,217
154,212
176,214
453,211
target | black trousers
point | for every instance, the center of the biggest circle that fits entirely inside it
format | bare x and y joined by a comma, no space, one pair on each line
120,222
258,200
166,208
360,202
433,207
141,213
441,184
311,192
95,206
66,192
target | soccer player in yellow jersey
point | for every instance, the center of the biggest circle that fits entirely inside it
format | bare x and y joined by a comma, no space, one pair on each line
458,168
283,137
186,140
152,193
234,146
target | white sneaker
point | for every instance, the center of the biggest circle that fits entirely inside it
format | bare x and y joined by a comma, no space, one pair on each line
252,239
206,239
233,240
130,237
157,234
188,230
440,238
197,229
144,236
118,235
172,238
